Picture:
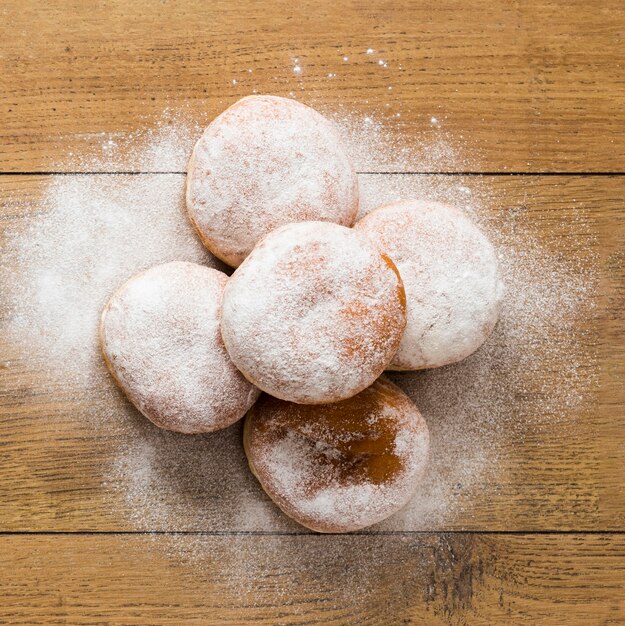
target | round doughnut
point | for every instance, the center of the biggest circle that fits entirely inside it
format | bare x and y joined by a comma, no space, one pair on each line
314,314
338,467
449,268
264,162
160,339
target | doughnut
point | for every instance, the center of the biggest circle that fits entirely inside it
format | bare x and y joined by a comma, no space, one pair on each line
338,467
264,162
449,268
160,339
314,314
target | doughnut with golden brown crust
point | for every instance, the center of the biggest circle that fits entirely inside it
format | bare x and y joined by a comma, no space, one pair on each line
314,314
264,162
161,341
454,290
338,467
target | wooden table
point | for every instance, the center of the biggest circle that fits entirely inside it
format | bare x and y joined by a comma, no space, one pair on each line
537,88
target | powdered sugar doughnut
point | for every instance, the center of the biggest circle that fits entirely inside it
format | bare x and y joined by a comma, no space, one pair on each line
338,467
450,273
264,162
314,314
161,341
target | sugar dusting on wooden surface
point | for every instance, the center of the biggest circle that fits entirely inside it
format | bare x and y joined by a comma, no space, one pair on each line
87,234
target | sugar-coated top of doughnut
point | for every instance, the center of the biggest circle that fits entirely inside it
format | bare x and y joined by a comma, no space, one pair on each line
450,272
160,336
314,314
343,466
264,162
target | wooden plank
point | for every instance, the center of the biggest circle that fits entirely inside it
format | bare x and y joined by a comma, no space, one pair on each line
58,464
531,86
418,579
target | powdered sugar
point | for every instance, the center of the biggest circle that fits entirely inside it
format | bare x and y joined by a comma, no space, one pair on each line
88,234
314,314
376,147
262,163
161,339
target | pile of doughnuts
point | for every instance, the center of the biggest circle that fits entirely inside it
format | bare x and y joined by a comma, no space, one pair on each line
318,307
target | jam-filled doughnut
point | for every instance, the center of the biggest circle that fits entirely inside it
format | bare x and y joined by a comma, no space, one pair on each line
161,341
450,272
314,314
338,467
264,162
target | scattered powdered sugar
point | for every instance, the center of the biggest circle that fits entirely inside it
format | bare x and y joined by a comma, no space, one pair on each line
377,147
163,148
86,235
505,391
345,574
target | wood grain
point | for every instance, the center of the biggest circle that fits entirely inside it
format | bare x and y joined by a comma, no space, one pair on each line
408,579
566,473
526,86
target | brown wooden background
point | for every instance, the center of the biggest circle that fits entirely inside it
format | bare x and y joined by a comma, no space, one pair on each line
536,89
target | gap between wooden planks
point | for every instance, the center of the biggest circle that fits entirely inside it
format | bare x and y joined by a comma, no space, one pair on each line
532,86
563,477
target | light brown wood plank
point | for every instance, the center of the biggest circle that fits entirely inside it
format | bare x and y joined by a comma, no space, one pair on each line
529,86
418,579
562,474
